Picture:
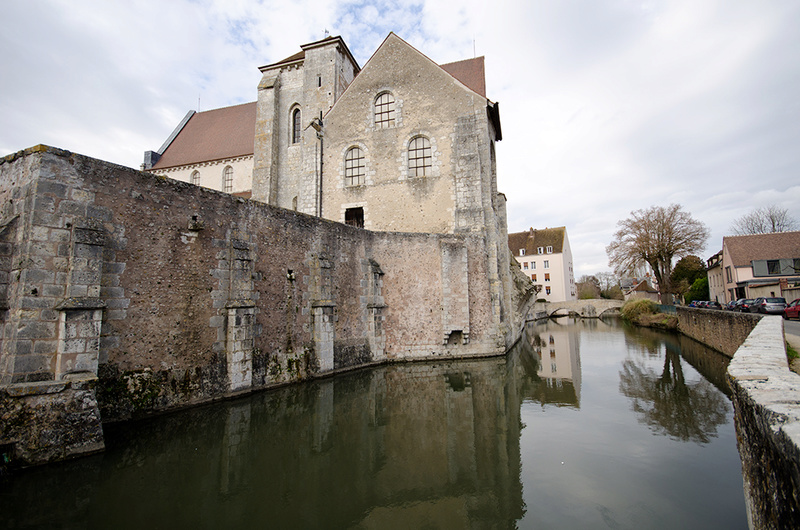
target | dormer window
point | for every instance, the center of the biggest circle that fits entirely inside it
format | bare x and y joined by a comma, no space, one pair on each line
541,250
522,252
549,250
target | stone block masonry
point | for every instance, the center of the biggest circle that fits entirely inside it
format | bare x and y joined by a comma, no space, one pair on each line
157,294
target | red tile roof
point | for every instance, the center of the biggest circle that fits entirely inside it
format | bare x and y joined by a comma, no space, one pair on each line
471,72
744,249
213,135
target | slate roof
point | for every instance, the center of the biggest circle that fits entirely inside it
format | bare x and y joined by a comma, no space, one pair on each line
744,249
531,239
213,135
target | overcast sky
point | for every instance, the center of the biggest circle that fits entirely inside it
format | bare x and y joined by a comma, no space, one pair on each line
607,106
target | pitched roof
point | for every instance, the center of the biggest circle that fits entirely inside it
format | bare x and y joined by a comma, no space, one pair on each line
213,135
779,245
471,72
531,239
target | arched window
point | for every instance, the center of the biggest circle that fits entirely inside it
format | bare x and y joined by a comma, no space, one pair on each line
354,167
195,179
384,111
296,126
227,179
419,157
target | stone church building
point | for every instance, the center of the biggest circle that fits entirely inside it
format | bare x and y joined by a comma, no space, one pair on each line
403,145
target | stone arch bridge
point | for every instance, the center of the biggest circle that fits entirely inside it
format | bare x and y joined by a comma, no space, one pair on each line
593,308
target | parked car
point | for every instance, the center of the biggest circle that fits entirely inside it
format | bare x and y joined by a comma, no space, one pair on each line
769,305
743,305
713,304
792,310
731,305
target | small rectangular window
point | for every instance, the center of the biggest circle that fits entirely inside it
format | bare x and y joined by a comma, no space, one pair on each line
522,252
533,265
525,266
533,277
774,266
547,276
547,289
546,264
541,250
549,250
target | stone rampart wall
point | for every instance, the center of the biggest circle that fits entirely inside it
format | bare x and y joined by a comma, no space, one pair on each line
724,331
173,295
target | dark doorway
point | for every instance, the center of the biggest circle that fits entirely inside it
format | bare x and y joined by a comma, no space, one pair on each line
354,217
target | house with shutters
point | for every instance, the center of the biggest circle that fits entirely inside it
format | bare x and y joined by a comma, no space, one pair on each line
758,265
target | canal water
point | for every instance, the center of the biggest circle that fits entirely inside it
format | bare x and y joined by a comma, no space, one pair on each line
585,424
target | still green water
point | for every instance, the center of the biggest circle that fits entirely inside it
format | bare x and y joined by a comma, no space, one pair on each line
585,424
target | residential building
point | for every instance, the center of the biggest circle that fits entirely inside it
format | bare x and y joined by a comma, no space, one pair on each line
546,258
716,278
759,265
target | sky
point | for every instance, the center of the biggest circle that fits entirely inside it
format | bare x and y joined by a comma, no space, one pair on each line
607,106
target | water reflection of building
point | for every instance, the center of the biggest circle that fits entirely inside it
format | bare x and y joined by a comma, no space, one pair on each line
403,445
557,348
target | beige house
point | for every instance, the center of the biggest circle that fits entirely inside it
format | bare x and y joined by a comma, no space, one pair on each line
716,278
759,265
546,258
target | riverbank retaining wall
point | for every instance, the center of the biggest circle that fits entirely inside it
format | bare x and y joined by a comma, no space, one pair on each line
159,294
766,400
724,331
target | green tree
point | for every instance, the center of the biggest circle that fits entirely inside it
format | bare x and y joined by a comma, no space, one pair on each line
656,236
686,271
698,290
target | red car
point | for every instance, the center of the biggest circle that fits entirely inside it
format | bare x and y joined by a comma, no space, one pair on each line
792,310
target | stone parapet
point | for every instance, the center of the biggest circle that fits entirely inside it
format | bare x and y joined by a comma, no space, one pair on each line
766,398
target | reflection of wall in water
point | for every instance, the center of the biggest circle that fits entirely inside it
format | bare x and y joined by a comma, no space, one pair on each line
558,350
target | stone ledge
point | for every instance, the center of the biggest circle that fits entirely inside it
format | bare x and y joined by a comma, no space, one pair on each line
766,397
40,388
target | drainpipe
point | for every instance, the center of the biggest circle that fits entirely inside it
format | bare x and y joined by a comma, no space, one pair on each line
316,123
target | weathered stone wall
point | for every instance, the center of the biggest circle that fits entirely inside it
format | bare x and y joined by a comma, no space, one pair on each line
172,294
766,395
724,331
49,420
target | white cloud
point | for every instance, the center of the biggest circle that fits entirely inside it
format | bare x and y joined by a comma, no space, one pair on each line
606,107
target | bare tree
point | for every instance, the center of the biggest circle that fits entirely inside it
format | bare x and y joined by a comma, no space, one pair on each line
656,236
764,221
